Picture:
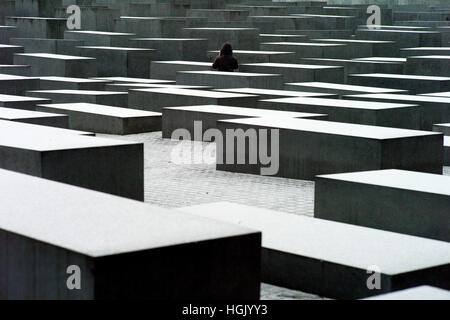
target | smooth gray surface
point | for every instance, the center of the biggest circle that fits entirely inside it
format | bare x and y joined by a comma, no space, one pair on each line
106,119
34,117
385,200
360,112
107,165
156,99
295,247
184,117
433,109
311,147
47,229
109,98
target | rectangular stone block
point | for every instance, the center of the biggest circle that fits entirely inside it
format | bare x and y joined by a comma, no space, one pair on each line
338,89
52,83
404,38
134,79
308,148
332,259
99,38
126,87
120,61
55,46
198,119
365,48
106,165
442,127
356,66
109,98
270,37
414,83
239,38
308,49
6,32
297,72
433,109
48,64
20,102
361,112
158,27
424,51
168,69
7,53
105,119
428,65
157,99
386,199
34,117
253,56
16,70
163,253
174,48
38,27
222,80
274,94
17,85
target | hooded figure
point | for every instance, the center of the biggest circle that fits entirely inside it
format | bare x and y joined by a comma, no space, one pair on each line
225,60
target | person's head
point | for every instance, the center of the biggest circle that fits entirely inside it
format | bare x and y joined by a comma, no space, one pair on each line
226,50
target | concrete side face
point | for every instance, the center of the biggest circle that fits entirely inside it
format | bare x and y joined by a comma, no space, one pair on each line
226,268
383,208
117,170
311,154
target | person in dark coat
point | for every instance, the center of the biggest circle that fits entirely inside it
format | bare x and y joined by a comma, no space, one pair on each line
225,60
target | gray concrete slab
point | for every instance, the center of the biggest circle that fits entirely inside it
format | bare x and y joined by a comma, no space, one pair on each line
258,56
446,151
21,102
303,144
414,83
433,109
16,70
365,48
294,248
105,165
404,38
99,38
240,38
161,27
338,89
433,65
206,116
38,27
120,61
55,46
223,80
110,236
308,49
297,72
174,48
48,64
125,87
57,83
134,79
416,293
274,94
106,119
17,85
168,69
386,199
156,99
35,117
356,66
420,51
438,94
442,127
385,114
7,52
109,98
